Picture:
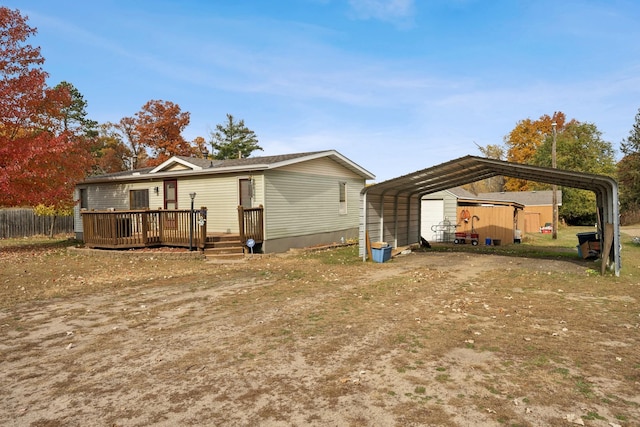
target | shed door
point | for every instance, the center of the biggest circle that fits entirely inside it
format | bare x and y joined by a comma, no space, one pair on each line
432,213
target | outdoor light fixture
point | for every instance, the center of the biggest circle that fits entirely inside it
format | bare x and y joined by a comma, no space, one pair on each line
156,190
193,196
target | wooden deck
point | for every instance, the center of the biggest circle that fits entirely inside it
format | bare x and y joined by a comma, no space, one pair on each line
146,228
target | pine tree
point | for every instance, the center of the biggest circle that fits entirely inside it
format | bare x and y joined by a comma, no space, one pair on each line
233,140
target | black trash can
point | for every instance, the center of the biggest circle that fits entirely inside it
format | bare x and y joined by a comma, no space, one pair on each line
587,237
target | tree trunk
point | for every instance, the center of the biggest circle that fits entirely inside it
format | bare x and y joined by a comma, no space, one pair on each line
53,223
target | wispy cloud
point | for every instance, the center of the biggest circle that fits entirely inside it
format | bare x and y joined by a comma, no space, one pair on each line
398,12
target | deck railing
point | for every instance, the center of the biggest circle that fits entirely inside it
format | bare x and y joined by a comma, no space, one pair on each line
142,228
251,222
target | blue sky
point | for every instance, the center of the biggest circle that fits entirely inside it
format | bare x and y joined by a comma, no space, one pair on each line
394,85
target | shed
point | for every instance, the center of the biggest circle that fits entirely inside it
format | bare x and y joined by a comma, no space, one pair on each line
390,210
538,206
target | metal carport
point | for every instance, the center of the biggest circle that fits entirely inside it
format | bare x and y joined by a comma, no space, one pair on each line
390,210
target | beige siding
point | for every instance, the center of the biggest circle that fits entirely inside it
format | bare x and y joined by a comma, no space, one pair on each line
300,204
220,195
176,167
322,166
102,197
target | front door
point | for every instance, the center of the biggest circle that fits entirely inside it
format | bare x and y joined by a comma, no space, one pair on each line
170,203
246,193
171,194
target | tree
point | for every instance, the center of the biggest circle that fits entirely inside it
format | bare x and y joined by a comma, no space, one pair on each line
112,154
200,146
628,169
579,147
127,131
40,161
523,142
159,126
493,184
233,140
74,115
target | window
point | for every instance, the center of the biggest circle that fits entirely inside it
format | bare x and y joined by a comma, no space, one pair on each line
139,199
343,197
84,199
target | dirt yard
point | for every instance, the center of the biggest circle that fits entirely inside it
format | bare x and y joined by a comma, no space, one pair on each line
315,338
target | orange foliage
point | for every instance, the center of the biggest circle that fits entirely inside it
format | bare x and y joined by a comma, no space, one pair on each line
40,162
525,139
159,126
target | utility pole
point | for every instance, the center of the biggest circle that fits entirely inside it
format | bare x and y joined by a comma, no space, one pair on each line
554,232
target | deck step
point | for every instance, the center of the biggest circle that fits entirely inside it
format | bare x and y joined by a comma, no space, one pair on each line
208,250
223,238
224,247
224,254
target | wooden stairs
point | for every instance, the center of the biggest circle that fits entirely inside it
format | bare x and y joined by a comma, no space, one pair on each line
224,247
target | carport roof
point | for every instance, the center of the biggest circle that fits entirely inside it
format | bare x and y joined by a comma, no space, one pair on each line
469,169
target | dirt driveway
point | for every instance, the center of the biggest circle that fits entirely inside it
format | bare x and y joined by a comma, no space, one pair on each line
442,339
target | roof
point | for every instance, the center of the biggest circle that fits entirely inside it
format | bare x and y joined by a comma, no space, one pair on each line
199,166
465,170
468,169
527,198
461,193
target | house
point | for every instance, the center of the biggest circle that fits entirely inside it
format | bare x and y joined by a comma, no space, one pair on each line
307,199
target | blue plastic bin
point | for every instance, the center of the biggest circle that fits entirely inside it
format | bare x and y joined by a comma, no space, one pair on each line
381,255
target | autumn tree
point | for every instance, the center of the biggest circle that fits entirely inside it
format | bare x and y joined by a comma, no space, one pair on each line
233,140
493,184
111,152
127,132
200,146
579,147
159,126
628,170
40,160
523,142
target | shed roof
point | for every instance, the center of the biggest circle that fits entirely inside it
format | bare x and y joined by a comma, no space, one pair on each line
527,198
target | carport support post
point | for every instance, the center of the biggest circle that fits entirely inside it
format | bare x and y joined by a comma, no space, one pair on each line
554,196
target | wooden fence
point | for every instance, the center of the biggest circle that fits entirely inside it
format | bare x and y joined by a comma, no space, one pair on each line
22,222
